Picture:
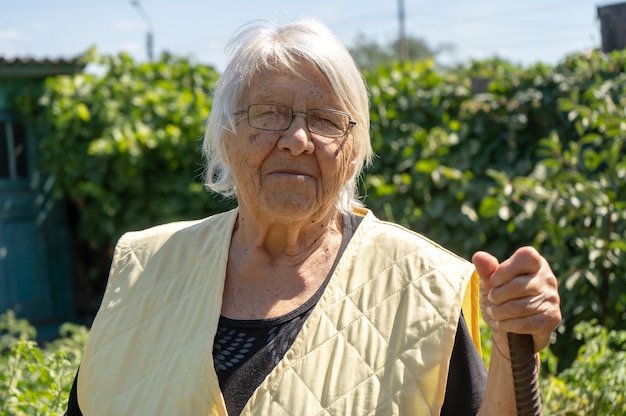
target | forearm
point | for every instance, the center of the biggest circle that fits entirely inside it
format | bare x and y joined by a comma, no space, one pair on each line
521,296
499,396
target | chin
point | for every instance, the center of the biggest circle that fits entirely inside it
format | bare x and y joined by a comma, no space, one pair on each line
294,206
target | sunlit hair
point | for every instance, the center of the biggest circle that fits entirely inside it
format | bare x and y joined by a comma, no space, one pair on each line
261,47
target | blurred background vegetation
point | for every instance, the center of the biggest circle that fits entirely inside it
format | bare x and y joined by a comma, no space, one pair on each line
486,156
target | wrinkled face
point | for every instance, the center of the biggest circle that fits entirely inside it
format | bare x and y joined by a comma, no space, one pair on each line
289,175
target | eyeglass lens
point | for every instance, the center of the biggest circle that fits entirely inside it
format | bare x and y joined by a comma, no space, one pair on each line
274,117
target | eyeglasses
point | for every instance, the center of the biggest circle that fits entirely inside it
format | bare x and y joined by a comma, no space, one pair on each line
275,117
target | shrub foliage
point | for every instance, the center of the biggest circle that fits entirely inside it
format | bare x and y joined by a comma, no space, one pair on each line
536,159
123,146
35,380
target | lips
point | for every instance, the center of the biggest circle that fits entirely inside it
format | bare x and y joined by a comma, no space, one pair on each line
290,170
298,167
290,175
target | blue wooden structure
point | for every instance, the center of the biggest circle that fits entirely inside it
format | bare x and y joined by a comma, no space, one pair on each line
35,259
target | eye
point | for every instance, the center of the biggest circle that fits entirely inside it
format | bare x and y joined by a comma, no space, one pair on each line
269,116
327,121
264,110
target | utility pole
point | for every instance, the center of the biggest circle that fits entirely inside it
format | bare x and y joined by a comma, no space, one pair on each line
403,47
146,19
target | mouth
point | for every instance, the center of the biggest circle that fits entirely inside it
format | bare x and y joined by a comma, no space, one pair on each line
290,169
290,174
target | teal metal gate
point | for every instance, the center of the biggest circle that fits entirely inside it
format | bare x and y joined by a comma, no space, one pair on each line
34,251
35,266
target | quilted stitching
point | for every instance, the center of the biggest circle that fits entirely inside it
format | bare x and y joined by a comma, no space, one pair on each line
355,327
371,308
170,315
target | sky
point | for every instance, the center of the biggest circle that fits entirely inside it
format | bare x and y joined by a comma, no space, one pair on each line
522,32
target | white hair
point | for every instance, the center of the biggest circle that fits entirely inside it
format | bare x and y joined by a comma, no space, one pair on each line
263,46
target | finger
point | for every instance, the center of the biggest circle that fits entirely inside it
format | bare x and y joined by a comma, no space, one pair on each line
485,264
525,261
538,316
537,325
518,288
516,308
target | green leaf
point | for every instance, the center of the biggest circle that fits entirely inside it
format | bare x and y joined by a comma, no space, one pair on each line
489,207
83,112
426,166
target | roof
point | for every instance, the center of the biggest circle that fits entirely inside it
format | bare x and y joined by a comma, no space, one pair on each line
28,67
608,10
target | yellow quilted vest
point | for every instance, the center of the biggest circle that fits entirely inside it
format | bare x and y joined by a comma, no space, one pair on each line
378,342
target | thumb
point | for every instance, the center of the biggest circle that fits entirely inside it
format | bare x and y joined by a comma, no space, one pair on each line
485,264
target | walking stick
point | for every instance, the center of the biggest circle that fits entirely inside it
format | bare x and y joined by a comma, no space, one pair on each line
525,375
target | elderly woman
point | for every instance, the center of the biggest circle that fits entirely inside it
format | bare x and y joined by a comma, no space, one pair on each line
301,301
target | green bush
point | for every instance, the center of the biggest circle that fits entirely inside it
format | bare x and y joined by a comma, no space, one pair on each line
572,203
596,381
36,380
537,160
122,144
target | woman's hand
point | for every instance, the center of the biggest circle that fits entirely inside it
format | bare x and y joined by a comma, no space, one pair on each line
519,295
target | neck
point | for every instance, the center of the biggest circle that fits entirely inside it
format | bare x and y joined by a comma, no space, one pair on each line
286,241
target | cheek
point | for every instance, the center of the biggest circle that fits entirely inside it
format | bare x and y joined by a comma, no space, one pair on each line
247,153
260,142
345,158
253,139
342,161
240,149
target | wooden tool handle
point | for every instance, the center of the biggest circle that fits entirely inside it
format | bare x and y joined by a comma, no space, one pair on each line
525,375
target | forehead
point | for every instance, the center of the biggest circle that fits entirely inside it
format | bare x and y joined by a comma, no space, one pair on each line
305,81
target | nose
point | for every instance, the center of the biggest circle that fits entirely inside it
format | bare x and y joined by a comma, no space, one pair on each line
297,138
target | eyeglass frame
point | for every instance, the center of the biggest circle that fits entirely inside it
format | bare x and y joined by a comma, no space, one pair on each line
351,122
